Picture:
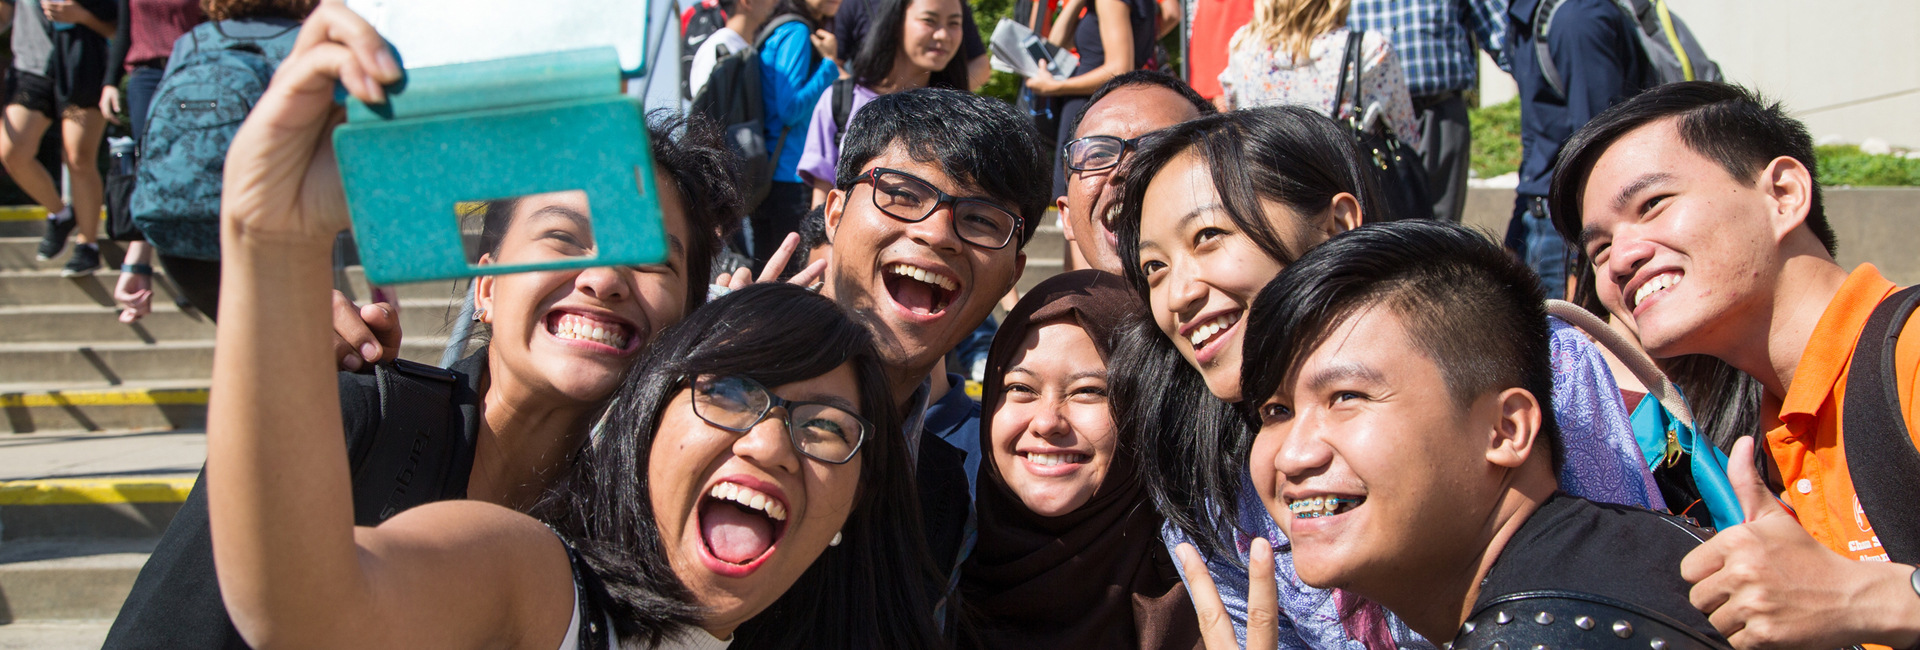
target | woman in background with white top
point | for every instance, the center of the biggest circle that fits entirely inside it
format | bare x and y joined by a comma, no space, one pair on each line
1291,53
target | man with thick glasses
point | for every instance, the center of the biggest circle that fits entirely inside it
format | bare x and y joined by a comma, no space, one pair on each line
1125,108
935,194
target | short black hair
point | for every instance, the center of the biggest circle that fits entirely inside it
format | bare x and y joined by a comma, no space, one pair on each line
1479,313
1291,155
874,61
979,141
813,230
1728,124
1144,78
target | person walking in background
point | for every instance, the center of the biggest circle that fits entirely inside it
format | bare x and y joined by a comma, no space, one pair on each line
59,65
744,18
913,47
1435,41
1293,52
1595,51
796,66
139,54
1113,37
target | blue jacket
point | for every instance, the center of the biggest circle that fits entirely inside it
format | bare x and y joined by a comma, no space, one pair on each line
792,77
1598,56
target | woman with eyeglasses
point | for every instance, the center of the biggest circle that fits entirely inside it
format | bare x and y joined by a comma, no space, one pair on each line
1069,554
912,46
748,484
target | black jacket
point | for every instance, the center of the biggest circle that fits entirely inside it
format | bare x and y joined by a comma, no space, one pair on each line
176,602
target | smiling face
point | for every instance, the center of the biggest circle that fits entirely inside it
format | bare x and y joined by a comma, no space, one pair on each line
1089,206
1681,248
742,515
931,35
1053,435
573,332
1203,271
1373,470
918,286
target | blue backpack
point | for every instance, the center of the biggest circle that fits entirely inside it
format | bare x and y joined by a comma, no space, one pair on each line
217,72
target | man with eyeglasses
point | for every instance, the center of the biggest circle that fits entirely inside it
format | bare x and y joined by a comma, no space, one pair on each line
935,195
1122,110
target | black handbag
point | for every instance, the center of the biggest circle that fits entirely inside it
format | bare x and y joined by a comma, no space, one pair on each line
1397,169
119,196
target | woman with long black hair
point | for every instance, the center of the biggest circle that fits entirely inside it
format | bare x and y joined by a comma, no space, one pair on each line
750,475
913,45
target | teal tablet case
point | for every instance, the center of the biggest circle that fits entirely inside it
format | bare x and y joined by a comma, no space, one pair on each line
492,130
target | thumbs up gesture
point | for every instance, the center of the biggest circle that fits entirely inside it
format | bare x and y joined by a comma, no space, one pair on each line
1768,585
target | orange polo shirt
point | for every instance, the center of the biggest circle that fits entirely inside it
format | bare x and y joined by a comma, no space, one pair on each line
1807,444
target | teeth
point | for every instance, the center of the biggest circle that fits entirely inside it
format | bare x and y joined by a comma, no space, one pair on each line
582,328
751,498
1312,507
1205,332
1050,460
1663,281
923,275
1113,212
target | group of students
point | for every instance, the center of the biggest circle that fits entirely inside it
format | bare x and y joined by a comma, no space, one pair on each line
1261,420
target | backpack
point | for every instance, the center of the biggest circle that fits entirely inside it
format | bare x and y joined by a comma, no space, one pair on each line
1690,472
217,72
1666,45
696,24
732,100
1880,455
842,109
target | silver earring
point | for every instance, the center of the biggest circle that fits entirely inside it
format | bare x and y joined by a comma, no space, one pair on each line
836,539
479,315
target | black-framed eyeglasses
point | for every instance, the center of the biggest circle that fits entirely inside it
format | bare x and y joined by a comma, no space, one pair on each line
823,432
911,199
1096,152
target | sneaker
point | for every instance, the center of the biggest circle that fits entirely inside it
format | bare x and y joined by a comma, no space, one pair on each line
59,225
85,260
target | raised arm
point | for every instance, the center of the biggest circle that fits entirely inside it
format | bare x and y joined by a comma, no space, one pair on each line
292,569
1116,38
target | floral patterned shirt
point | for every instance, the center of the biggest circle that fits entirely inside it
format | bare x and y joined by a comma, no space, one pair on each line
1260,75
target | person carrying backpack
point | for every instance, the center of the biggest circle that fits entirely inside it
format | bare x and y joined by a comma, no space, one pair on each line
215,74
741,17
796,66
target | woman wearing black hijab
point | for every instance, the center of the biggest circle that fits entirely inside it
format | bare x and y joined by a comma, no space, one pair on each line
1069,553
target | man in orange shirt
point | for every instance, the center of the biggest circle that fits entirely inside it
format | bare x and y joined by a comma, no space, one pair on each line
1697,206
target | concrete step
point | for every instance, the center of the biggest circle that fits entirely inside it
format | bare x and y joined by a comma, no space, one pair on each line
67,580
54,635
97,406
21,253
46,287
102,507
1038,270
52,323
119,362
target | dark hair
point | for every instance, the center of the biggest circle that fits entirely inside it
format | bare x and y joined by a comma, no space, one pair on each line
874,589
1730,125
797,8
874,61
1186,440
1145,78
231,9
1477,312
979,141
813,230
706,173
1288,154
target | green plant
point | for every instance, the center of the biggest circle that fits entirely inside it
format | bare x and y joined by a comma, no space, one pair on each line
1845,164
1496,138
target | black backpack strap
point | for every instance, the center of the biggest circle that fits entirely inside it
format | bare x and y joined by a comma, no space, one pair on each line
414,452
842,108
1879,449
1542,23
1348,62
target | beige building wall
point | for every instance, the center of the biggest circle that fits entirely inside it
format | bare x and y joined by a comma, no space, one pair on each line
1848,68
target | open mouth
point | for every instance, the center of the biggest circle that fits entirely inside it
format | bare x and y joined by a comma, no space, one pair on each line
1210,330
575,326
1323,506
920,291
740,526
1657,284
1055,460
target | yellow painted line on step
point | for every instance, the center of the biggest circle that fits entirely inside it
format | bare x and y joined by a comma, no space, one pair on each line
89,491
135,397
26,212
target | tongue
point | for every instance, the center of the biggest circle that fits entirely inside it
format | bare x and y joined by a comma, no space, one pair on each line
914,295
735,535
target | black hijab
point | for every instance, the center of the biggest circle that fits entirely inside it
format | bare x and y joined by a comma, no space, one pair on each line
1097,577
